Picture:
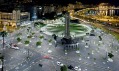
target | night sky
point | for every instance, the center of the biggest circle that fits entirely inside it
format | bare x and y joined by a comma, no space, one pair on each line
113,2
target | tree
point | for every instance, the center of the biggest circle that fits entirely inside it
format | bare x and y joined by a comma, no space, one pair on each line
26,42
38,43
19,39
41,37
30,36
110,55
63,68
3,34
50,40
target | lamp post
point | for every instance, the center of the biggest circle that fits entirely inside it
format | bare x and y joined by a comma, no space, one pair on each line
28,54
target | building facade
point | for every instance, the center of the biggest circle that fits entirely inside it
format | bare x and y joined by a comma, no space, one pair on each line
13,18
48,8
106,9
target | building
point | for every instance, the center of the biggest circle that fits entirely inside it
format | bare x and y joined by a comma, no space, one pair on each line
24,1
13,18
48,9
105,9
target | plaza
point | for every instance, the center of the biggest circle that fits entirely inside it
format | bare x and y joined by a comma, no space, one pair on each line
35,46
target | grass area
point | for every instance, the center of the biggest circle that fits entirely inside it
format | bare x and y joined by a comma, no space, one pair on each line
39,24
73,28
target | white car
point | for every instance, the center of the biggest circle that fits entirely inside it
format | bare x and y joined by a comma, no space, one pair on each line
0,64
59,63
76,68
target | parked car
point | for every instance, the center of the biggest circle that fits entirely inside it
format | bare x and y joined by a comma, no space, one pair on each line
47,57
70,67
14,46
40,65
59,63
76,68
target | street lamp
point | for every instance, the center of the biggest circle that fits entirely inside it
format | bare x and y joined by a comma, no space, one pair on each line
28,54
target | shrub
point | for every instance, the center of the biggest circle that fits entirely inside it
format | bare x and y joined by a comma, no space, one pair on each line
63,68
78,48
26,42
41,37
50,40
88,53
38,43
19,39
94,59
33,33
30,36
110,55
19,34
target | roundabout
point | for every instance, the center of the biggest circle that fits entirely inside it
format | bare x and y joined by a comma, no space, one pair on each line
76,30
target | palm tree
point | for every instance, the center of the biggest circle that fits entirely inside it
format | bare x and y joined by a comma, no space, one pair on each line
3,34
27,43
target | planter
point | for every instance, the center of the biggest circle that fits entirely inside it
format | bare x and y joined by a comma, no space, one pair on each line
33,37
26,44
86,46
77,51
38,46
110,60
80,59
66,53
50,43
49,51
41,39
19,43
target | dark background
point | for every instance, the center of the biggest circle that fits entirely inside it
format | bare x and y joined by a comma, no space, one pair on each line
115,2
95,2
